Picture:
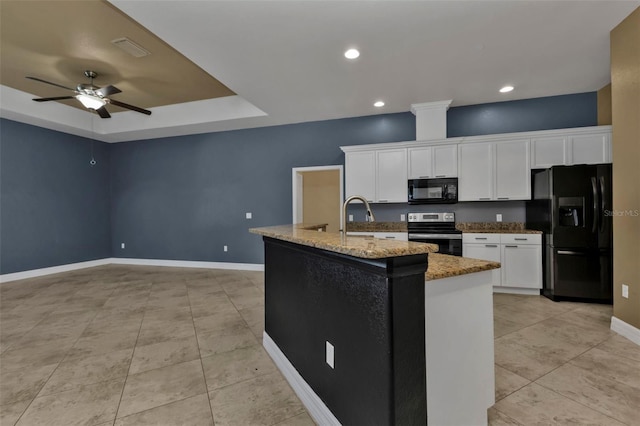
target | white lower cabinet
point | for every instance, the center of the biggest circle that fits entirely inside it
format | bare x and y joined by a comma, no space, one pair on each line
398,236
520,256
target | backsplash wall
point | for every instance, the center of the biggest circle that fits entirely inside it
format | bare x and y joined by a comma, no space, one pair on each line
476,211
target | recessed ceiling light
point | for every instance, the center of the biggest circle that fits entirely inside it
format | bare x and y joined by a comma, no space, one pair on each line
351,54
506,89
378,104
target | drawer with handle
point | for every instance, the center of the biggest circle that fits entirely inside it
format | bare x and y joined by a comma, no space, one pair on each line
521,239
471,237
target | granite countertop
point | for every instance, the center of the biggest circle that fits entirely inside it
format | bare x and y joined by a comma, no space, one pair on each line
495,228
356,246
445,266
376,226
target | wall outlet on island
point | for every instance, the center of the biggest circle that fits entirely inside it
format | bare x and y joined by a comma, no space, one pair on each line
248,215
330,353
498,217
122,245
225,248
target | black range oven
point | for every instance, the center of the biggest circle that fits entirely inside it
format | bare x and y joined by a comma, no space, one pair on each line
436,228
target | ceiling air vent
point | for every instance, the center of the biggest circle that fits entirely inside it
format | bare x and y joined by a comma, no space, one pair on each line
130,47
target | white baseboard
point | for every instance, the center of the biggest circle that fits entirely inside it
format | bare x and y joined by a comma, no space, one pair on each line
32,273
188,264
626,330
317,409
515,290
123,261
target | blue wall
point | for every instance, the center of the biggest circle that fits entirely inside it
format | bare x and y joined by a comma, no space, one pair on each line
54,206
184,198
553,112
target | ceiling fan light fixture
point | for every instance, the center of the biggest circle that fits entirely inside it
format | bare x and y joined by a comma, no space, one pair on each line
91,102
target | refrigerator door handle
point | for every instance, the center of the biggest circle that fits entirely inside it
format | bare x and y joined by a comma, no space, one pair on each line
596,205
602,198
575,253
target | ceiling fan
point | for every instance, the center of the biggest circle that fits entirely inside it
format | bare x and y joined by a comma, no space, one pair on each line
92,97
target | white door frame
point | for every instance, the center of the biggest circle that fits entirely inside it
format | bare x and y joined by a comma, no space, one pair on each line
296,184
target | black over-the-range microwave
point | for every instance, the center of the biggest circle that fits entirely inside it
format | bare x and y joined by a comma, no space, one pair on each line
433,191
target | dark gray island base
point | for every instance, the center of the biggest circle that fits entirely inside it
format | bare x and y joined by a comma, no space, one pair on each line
366,309
352,321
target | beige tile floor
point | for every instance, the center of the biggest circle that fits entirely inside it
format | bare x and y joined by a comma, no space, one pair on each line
132,345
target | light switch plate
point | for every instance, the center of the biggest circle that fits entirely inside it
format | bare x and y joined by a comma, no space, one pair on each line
402,218
625,291
498,217
350,218
248,215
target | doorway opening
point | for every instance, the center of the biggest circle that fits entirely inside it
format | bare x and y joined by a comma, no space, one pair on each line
318,195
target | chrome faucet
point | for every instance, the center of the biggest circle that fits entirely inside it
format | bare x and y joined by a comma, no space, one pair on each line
343,227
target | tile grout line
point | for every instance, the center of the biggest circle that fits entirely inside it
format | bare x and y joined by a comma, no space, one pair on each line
580,403
204,376
124,385
60,362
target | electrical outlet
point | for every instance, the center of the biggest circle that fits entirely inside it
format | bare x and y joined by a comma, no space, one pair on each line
225,248
498,217
248,215
625,291
330,353
122,245
350,218
402,218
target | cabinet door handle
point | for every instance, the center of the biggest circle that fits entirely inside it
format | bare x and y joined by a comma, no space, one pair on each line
391,238
480,238
521,239
383,201
484,198
424,177
511,246
503,198
441,176
491,245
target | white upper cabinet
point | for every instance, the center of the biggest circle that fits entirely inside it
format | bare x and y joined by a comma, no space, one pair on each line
488,167
577,146
378,175
549,151
475,172
513,175
445,161
590,149
391,177
438,161
420,162
492,171
360,174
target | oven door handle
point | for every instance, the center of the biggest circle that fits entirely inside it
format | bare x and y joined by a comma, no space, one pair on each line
435,236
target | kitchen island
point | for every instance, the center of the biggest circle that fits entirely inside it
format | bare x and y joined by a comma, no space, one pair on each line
363,340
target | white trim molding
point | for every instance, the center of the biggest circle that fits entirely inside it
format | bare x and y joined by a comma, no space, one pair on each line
625,330
32,273
125,261
188,264
317,409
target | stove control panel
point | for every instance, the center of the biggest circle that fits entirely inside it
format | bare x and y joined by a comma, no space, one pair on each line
431,217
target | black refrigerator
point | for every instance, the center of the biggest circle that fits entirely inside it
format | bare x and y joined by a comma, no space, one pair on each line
571,205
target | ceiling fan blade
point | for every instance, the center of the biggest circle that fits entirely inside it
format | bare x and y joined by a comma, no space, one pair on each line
48,82
103,113
57,98
131,107
108,90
